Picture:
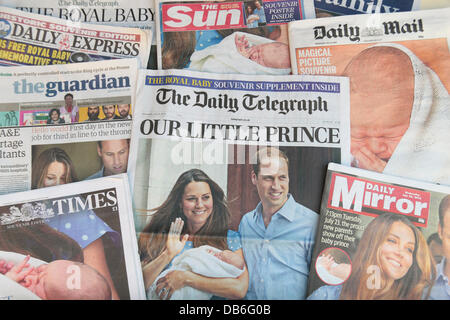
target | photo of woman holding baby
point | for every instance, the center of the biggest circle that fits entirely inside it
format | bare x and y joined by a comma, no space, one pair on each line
194,214
392,261
54,167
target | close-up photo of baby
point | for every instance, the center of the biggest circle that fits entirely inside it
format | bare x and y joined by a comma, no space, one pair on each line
206,261
243,53
58,280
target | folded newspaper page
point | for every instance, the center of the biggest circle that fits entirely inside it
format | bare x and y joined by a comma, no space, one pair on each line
379,237
328,8
34,39
191,126
399,70
203,35
131,14
79,113
70,242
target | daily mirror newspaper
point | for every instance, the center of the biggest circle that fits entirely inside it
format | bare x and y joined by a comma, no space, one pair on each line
70,242
120,13
80,113
190,126
34,39
380,237
203,35
399,70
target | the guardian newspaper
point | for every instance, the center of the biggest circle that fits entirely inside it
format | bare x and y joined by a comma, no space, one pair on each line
399,70
209,127
77,239
77,111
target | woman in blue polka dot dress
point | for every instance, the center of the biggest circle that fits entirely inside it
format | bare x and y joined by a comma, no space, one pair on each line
194,214
54,167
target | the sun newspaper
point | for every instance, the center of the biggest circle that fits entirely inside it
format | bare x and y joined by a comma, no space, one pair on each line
47,235
34,39
399,70
187,120
378,237
36,121
248,37
120,13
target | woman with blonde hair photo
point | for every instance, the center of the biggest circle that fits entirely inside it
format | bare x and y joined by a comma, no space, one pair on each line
194,214
392,261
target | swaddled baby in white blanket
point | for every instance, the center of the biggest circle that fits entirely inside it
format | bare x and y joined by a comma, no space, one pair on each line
243,53
206,261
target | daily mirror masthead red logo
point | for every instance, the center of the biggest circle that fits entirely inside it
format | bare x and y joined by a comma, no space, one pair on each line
372,198
201,16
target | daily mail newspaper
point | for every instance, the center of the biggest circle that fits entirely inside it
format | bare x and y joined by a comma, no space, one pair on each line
203,35
120,13
77,239
379,237
79,113
327,8
399,69
34,39
208,127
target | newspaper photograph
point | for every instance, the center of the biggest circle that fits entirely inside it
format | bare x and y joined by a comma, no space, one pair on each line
209,149
247,37
77,113
399,70
70,242
119,13
34,39
380,237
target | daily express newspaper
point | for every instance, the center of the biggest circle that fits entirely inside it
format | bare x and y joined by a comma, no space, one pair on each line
77,239
399,69
79,112
379,237
202,35
34,39
327,8
190,125
120,13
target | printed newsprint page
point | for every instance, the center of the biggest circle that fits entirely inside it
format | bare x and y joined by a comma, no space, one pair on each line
399,69
379,237
248,37
46,238
208,127
78,113
34,39
328,8
120,13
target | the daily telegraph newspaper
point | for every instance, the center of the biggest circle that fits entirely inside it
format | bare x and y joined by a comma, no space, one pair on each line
70,242
379,237
77,112
34,39
399,70
189,126
131,14
248,37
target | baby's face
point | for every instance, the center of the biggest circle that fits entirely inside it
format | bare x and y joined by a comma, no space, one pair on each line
228,256
271,55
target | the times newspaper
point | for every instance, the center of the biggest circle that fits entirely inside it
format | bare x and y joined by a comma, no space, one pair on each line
120,13
377,237
34,39
35,124
187,120
203,35
399,70
80,240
